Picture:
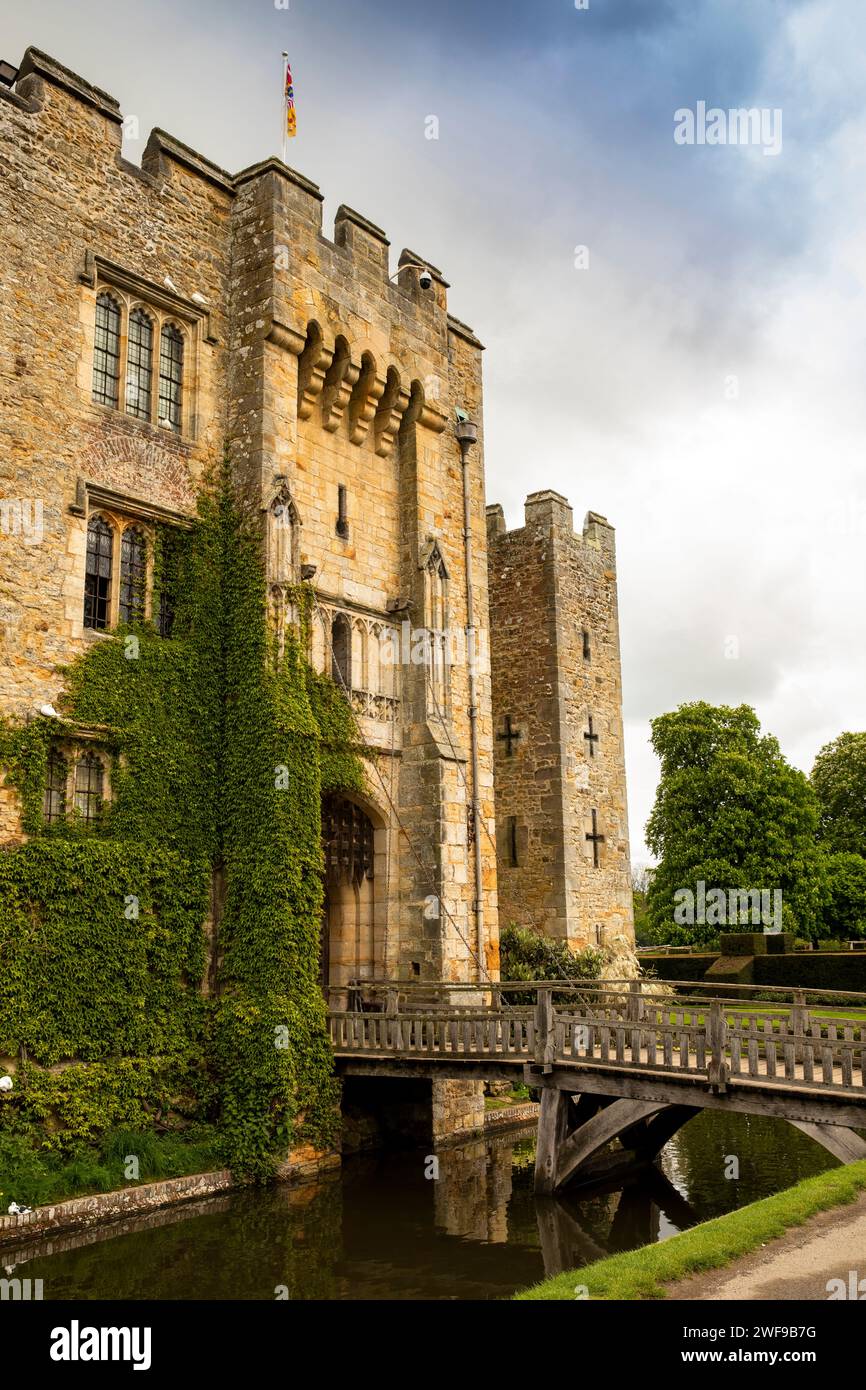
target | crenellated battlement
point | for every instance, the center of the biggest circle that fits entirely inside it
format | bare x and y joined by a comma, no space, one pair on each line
357,252
549,513
38,65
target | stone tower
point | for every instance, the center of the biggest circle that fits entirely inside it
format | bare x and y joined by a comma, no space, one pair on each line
559,766
158,317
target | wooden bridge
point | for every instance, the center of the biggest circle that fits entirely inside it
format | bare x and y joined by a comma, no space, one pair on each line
626,1061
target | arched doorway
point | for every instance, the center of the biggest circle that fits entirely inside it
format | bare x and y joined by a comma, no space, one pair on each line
349,943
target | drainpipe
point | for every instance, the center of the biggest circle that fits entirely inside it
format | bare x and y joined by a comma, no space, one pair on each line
467,437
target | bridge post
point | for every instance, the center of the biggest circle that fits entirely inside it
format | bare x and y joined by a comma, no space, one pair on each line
717,1071
545,1049
799,1022
552,1131
634,1003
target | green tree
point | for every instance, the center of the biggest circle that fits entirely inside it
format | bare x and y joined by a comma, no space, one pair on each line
839,780
641,876
732,813
844,910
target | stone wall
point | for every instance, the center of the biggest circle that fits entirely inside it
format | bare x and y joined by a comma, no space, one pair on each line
458,1108
71,206
99,1208
556,666
318,371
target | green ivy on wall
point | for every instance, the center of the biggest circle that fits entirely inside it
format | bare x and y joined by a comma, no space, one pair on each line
221,747
271,1048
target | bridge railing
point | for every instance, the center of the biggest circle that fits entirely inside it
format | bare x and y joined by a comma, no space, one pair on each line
444,1033
804,1037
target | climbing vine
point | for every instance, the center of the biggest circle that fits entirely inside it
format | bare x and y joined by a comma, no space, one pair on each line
221,745
271,1048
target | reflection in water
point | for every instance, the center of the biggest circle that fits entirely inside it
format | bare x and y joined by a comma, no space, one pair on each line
382,1230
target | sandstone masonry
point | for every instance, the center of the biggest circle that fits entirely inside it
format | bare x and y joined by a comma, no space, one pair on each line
335,387
560,767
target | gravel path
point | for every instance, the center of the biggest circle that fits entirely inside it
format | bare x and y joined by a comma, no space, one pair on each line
797,1266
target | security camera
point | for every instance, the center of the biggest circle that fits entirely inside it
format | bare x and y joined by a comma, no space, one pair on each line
425,276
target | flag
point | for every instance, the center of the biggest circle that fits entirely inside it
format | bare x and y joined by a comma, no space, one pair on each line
291,117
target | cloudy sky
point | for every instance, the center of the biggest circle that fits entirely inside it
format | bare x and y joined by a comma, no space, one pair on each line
700,381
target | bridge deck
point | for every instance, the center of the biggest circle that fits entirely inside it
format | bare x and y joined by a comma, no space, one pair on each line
711,1040
641,1058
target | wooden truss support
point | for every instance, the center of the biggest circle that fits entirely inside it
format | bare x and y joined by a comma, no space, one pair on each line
573,1139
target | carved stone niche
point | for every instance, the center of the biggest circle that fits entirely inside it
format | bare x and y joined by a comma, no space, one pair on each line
283,536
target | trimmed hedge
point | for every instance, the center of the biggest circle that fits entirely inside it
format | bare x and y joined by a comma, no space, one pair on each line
802,970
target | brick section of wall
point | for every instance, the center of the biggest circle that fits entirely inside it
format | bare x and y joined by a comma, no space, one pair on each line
549,586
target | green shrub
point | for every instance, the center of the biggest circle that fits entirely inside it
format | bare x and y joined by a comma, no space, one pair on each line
525,954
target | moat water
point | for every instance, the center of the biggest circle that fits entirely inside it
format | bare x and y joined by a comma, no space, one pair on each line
382,1229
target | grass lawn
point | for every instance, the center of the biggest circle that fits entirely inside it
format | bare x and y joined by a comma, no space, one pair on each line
639,1274
779,1011
35,1177
518,1095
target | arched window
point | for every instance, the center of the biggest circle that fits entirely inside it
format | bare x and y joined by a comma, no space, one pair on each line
341,652
139,365
133,575
97,577
170,377
54,805
106,351
89,776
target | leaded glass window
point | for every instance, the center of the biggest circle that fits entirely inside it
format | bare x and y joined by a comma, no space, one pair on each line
106,351
97,579
54,805
133,575
139,365
89,776
170,377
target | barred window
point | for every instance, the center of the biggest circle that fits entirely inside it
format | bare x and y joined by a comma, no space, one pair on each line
139,365
54,805
97,577
89,774
170,376
133,575
106,351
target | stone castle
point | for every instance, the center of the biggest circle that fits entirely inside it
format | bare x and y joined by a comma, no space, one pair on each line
155,317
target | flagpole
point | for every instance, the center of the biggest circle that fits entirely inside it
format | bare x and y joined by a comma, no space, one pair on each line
285,114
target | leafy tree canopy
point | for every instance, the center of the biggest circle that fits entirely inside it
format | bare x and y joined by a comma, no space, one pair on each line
732,813
839,780
844,910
